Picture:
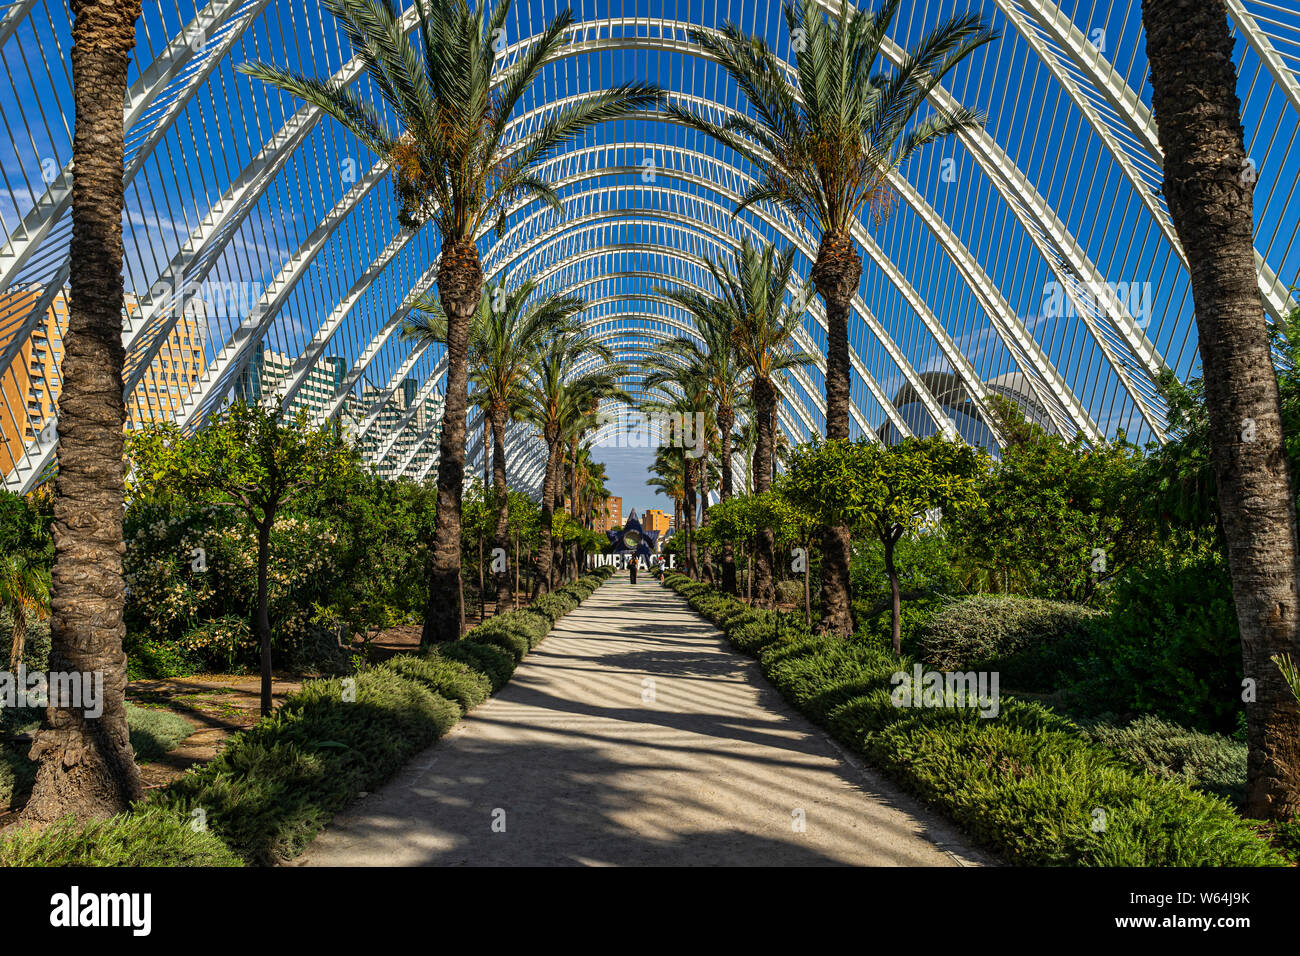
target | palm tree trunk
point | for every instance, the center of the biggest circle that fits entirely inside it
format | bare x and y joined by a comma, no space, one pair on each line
836,274
688,514
706,558
19,638
500,539
460,283
762,588
545,555
557,547
1198,115
87,768
725,420
573,506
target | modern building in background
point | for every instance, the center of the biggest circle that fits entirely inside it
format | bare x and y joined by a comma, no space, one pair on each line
609,518
655,520
270,371
955,399
30,387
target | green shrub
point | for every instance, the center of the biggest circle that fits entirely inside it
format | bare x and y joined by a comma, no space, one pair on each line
277,783
790,592
149,658
489,660
1170,646
148,836
1029,641
451,679
1026,782
878,628
1210,762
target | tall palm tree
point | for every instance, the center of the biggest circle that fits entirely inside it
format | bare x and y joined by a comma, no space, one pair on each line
87,768
1198,116
509,331
684,394
25,593
727,381
751,309
457,163
555,401
669,479
824,143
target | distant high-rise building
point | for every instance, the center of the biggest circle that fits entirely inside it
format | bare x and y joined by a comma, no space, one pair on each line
30,387
656,520
609,518
269,373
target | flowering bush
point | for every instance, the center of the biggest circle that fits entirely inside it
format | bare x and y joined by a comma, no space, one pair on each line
191,580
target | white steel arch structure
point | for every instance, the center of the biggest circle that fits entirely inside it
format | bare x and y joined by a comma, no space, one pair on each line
261,256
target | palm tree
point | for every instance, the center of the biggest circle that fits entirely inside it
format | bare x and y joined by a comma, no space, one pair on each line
556,401
824,143
509,331
87,768
727,382
456,163
758,325
1198,116
25,593
689,403
669,479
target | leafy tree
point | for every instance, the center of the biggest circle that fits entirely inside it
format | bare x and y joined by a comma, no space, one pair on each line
886,490
26,549
458,162
1062,518
247,459
384,528
825,137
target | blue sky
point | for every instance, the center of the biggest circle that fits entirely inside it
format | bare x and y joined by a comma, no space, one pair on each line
1031,118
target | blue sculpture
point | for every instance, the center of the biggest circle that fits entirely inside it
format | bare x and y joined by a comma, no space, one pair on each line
633,540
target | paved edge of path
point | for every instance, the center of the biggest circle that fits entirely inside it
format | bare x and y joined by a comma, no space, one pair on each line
934,826
416,811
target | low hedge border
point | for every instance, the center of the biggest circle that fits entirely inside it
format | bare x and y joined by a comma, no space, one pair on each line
276,784
1026,784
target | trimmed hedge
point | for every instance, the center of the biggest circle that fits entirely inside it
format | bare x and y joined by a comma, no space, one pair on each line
1026,783
1027,640
274,785
149,836
1210,762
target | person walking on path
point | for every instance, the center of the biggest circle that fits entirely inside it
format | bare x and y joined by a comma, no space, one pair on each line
631,569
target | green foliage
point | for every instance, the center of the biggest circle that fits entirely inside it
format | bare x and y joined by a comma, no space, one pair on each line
151,836
1026,783
1060,519
272,788
447,678
1210,762
883,490
1170,646
1030,642
276,784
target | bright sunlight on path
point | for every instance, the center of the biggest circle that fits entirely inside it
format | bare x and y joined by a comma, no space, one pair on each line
634,735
